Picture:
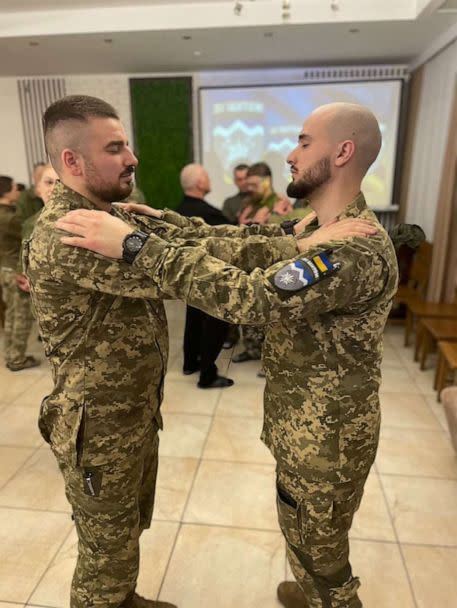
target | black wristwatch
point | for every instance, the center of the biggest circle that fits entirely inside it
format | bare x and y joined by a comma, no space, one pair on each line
132,245
288,226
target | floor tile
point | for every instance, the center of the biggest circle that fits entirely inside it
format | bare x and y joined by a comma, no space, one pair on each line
38,485
398,381
28,543
186,398
227,568
156,546
11,459
183,435
173,486
19,427
34,395
423,510
416,452
425,379
405,410
435,585
246,373
438,411
238,440
372,520
14,384
244,400
233,494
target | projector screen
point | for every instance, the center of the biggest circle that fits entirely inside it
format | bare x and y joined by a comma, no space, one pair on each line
251,124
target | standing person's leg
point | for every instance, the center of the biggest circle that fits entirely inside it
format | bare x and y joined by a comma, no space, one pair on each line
315,518
8,290
253,338
214,332
22,325
111,504
192,333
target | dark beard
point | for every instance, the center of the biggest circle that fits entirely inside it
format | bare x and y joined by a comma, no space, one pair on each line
315,177
109,193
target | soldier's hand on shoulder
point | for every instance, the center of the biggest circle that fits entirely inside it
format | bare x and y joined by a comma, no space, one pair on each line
336,231
141,209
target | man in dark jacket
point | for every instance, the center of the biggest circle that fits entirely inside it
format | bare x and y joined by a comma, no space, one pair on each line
203,335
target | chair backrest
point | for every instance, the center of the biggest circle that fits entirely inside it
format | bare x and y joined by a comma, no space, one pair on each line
420,269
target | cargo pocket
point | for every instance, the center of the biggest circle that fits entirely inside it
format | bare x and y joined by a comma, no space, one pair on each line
42,426
289,516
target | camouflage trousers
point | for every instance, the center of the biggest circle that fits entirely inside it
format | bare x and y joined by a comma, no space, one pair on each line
18,318
253,338
315,518
112,504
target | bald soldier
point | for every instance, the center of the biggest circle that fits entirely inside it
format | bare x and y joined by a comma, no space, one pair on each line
324,312
104,331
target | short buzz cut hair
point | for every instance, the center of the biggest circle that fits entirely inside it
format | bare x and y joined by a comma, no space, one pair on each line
260,170
240,167
72,109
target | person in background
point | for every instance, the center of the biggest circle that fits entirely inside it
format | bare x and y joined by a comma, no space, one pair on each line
14,287
203,335
233,205
30,202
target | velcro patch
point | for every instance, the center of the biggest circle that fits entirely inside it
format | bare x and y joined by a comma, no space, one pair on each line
305,272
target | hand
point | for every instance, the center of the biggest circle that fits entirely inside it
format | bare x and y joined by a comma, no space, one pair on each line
262,216
336,231
141,209
283,205
97,230
244,217
23,283
306,221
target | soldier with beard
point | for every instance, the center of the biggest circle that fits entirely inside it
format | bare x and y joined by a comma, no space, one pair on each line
325,313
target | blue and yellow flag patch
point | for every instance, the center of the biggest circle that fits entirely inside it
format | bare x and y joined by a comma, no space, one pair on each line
305,272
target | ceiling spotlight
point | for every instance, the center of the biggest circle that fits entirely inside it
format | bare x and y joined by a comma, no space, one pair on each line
335,5
237,9
354,30
197,53
108,40
34,43
186,37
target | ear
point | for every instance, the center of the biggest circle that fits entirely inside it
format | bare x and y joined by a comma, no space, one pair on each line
71,161
345,152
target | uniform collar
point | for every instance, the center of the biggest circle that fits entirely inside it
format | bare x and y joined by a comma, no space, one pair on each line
61,192
355,208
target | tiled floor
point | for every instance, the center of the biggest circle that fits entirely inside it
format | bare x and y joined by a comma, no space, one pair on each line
215,539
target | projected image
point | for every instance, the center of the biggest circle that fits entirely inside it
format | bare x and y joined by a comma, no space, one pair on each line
246,125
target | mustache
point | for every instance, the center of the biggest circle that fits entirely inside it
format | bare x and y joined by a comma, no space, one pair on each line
129,171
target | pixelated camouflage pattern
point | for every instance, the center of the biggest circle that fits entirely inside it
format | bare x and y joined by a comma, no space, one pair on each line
253,339
18,318
109,525
10,236
315,518
323,345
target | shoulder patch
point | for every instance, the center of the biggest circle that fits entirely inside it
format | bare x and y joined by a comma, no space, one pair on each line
305,272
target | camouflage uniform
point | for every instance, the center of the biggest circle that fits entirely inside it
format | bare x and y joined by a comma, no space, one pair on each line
29,203
18,318
104,332
322,358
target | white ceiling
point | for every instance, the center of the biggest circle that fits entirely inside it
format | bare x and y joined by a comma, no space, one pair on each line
286,44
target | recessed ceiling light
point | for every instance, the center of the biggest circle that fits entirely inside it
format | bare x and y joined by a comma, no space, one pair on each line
268,34
34,43
197,53
108,40
187,37
354,30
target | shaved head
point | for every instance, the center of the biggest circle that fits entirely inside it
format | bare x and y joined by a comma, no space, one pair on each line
195,177
352,122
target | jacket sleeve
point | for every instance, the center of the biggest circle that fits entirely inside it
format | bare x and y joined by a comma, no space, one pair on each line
264,296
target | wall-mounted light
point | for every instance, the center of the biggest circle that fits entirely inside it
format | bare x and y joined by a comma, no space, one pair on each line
286,6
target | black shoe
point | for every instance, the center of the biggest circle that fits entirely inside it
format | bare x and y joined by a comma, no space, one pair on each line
244,356
218,382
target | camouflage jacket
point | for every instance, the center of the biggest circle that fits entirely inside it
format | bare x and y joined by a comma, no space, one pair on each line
10,237
29,203
105,332
323,344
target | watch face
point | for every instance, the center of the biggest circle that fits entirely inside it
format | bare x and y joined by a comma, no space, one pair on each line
133,244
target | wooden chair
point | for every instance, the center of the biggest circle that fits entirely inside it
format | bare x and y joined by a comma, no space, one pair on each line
447,362
419,276
430,331
417,309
